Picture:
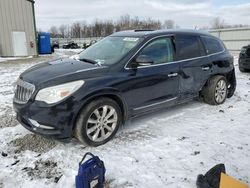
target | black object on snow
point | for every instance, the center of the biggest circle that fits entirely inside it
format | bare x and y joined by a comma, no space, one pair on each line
212,178
4,154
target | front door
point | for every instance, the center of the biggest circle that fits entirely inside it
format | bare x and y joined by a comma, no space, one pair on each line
19,43
155,85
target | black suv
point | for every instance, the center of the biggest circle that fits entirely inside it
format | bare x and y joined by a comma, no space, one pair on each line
244,59
124,75
71,45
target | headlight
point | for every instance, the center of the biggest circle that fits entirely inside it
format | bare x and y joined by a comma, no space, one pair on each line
59,92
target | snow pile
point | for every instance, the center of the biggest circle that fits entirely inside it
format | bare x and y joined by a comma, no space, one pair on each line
164,149
3,59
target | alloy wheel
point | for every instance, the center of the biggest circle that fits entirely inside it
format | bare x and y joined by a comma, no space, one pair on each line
102,123
220,91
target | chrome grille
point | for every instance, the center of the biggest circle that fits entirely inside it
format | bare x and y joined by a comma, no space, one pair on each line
23,91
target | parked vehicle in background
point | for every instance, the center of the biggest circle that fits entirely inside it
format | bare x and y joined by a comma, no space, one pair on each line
86,45
122,76
244,59
71,45
54,45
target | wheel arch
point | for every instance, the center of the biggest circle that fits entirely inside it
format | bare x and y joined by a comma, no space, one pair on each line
230,77
109,93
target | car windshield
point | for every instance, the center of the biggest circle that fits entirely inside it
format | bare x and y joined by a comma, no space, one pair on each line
109,50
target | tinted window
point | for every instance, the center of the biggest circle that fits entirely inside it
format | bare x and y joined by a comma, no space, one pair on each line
189,47
212,45
160,50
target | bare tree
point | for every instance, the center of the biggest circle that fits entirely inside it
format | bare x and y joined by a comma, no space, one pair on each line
54,31
109,27
63,30
168,24
102,28
76,30
218,23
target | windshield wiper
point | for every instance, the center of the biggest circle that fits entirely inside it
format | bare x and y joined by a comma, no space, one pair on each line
88,61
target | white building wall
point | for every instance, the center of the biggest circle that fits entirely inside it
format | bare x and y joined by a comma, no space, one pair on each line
16,16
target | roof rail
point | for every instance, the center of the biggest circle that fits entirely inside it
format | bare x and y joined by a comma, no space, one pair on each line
141,30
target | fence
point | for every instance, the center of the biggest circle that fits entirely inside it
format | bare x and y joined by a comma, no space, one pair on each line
234,38
79,41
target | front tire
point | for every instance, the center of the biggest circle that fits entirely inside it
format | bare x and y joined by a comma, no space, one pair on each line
98,122
216,91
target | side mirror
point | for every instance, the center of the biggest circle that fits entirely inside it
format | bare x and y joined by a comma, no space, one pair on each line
144,60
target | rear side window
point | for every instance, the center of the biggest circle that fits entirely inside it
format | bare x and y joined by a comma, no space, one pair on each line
189,47
212,45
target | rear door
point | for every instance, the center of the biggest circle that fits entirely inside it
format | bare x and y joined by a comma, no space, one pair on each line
195,65
222,62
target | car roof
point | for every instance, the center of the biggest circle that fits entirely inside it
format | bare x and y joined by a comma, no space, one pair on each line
148,33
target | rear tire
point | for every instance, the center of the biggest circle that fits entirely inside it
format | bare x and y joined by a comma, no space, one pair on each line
98,122
216,90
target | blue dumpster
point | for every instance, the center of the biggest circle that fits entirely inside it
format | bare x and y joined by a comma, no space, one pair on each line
44,46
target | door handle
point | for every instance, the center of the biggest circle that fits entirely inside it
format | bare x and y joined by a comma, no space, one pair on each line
173,75
205,68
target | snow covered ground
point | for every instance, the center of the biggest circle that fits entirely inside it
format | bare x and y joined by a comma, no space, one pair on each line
3,59
164,149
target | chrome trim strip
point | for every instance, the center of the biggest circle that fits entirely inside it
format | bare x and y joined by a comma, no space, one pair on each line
93,68
36,124
173,62
154,104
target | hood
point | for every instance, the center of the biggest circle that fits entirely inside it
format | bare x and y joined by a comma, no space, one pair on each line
59,69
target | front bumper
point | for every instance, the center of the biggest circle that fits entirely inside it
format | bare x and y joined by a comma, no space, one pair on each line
52,122
31,127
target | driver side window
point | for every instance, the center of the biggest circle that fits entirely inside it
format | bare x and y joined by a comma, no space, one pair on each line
159,50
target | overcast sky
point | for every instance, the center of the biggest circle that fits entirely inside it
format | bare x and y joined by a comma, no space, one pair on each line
185,13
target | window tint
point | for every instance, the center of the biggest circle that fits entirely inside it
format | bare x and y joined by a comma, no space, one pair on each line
212,45
160,50
189,47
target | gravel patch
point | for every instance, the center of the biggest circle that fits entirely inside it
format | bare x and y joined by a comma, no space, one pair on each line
33,142
8,118
44,170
